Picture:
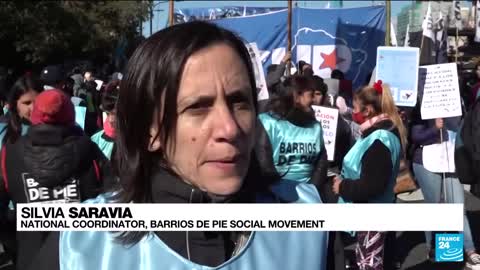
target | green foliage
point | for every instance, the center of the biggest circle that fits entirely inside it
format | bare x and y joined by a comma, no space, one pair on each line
43,31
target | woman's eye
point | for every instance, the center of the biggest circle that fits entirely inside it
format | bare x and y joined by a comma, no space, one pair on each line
198,108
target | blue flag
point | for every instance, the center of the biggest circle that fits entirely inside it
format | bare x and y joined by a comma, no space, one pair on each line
269,31
331,39
328,39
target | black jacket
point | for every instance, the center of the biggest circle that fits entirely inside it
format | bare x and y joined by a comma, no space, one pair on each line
49,164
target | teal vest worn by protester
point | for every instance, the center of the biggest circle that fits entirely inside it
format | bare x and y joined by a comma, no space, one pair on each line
104,145
352,163
3,131
295,149
306,250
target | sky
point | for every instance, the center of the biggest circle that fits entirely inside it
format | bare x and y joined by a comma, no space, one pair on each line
161,8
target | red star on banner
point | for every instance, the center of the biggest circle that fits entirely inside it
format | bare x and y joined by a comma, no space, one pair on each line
330,60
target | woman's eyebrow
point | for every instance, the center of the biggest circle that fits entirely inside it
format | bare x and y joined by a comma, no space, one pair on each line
238,94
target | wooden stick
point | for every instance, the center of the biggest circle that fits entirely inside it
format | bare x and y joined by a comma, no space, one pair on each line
388,6
170,12
289,33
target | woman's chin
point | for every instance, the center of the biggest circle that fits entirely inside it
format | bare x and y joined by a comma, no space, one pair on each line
224,186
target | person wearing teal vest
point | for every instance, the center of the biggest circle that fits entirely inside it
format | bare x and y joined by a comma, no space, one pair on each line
20,104
370,168
105,138
185,133
292,142
20,100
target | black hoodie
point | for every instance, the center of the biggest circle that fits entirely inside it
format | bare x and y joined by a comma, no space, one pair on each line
49,164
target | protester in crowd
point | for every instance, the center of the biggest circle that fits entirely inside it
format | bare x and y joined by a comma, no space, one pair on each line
304,68
275,77
88,76
371,166
193,143
290,124
105,138
467,150
77,77
20,103
21,98
428,132
476,87
52,77
53,162
275,72
320,91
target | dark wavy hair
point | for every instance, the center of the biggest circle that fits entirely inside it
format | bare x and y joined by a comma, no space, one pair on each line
153,74
22,86
284,104
110,96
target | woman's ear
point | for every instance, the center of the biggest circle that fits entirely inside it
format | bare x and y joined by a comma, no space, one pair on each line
369,111
154,143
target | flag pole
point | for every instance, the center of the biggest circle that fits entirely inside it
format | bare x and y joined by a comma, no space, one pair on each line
289,33
170,12
388,7
456,45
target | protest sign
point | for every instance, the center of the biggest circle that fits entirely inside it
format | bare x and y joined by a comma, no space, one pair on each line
441,94
262,90
440,157
397,67
328,117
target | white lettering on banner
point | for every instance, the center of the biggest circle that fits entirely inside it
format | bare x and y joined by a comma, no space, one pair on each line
328,117
441,94
68,192
239,217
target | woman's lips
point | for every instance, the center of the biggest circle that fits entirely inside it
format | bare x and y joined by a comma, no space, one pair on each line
225,163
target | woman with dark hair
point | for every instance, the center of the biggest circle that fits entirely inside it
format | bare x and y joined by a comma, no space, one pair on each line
291,144
105,138
20,104
185,132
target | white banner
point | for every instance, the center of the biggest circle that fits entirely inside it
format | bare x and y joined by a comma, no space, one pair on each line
262,91
441,93
328,117
239,217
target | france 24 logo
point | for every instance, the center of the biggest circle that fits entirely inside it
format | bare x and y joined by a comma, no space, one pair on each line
449,247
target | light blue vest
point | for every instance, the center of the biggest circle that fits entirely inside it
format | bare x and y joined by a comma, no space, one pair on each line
104,145
295,149
3,131
80,115
352,163
264,250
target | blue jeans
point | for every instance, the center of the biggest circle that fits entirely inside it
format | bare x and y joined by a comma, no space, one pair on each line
430,183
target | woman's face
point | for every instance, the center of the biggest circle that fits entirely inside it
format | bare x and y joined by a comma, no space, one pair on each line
317,98
366,111
25,104
305,100
216,121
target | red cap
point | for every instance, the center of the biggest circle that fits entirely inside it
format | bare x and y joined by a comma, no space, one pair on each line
53,107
